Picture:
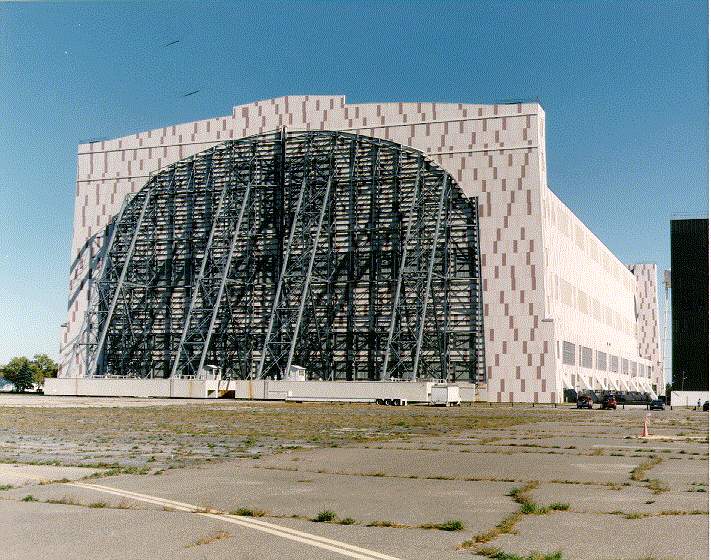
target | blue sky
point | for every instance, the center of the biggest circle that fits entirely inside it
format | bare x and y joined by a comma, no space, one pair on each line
624,85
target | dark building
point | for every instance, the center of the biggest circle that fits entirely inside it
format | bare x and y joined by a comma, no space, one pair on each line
690,304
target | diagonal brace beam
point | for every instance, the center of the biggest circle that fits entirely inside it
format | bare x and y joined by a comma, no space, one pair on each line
430,268
225,274
401,271
122,278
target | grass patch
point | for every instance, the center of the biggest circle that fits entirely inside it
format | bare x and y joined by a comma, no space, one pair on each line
386,523
657,486
610,485
118,470
528,508
64,500
248,512
532,508
209,539
347,521
57,481
498,554
639,473
70,501
6,487
29,498
663,513
505,526
695,487
451,525
325,516
520,493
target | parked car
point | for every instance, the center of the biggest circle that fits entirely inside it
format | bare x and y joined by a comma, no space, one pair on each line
705,408
656,405
608,403
585,401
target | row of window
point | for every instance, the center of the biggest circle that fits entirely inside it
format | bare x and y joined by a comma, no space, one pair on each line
603,361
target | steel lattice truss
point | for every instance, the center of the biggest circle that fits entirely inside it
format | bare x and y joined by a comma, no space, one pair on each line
355,257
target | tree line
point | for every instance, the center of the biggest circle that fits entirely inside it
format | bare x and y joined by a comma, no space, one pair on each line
24,373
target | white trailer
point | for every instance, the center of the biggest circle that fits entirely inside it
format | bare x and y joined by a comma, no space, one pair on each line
132,387
381,392
444,394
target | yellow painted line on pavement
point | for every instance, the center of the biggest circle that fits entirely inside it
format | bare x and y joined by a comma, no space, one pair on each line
311,539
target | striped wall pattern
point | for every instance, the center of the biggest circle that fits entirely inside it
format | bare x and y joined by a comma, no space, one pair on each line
647,324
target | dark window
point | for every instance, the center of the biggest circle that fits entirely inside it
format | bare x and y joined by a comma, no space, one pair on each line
601,361
613,363
568,353
586,357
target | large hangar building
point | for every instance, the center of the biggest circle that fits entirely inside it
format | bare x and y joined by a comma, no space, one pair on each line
493,280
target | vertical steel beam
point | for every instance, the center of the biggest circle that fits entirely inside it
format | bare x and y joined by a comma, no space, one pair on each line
428,283
401,270
351,279
285,263
228,263
444,350
309,271
197,283
374,251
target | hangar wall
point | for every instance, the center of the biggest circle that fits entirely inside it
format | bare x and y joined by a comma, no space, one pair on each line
496,152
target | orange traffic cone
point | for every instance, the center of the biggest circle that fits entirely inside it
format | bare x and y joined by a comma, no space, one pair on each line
645,430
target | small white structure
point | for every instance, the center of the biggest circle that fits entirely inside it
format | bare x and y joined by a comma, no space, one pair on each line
210,372
444,394
296,373
688,398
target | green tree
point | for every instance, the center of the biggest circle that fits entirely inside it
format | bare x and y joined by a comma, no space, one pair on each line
43,367
20,372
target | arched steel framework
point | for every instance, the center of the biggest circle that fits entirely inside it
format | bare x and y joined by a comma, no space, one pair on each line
353,256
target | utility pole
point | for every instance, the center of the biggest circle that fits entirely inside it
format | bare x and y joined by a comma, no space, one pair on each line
666,355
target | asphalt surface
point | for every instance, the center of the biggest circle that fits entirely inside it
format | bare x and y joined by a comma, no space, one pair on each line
584,463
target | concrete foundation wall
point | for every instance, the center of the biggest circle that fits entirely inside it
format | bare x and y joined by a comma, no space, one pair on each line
261,389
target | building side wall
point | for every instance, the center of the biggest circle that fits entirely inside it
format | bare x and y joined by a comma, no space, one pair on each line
647,323
690,304
590,299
